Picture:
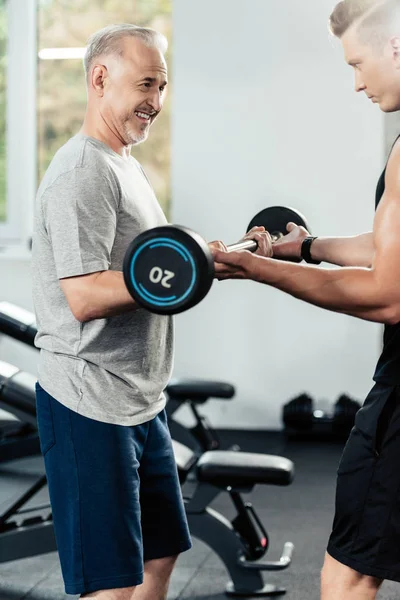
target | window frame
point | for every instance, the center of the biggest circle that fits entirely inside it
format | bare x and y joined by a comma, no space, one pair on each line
21,134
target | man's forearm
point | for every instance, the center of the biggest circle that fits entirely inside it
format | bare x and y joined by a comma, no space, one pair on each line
99,296
356,251
353,291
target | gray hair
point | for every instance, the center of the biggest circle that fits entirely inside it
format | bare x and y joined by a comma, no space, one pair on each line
107,41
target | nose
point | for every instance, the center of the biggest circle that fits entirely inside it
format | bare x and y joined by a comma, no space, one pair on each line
359,83
155,100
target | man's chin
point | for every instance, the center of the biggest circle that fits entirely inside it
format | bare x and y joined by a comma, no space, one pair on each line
389,105
389,109
138,138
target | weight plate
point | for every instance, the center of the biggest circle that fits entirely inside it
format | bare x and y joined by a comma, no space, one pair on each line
168,269
275,219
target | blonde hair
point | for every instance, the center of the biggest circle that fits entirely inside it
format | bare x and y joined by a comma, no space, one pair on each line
108,41
374,18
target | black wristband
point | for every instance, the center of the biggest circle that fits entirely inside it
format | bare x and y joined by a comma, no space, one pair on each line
306,251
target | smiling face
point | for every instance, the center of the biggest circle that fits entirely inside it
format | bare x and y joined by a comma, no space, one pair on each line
376,68
131,89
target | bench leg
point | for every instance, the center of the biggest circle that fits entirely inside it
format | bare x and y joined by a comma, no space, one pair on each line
217,532
25,541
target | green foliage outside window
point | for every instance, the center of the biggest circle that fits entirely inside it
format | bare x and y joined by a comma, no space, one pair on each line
61,83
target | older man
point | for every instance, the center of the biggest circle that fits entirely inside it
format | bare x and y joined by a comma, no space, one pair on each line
117,506
103,363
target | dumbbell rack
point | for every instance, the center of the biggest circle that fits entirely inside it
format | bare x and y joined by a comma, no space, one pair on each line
304,418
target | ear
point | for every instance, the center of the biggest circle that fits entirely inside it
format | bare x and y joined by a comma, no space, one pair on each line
98,80
395,48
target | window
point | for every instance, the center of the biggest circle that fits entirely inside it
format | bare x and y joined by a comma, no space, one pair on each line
3,79
61,84
17,119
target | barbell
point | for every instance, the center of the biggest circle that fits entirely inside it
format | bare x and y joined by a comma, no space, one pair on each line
170,269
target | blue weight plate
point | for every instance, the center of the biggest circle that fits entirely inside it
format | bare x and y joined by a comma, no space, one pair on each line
168,269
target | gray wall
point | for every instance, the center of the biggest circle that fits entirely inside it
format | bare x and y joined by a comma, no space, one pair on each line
263,113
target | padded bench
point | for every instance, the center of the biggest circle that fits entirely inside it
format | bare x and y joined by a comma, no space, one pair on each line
199,391
238,470
243,470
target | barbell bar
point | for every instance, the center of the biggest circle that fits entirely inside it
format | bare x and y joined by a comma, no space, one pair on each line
170,269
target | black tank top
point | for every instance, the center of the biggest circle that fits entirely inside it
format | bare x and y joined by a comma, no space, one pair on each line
388,367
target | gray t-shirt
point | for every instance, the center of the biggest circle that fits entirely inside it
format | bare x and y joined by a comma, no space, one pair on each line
90,205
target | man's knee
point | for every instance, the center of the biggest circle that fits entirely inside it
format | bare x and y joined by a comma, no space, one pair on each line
115,594
161,565
335,575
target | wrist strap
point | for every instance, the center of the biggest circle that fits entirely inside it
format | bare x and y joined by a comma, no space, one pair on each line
306,251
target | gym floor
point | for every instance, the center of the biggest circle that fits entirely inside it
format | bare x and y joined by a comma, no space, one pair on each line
301,513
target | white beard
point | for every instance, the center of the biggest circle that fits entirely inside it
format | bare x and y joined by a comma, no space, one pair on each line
136,137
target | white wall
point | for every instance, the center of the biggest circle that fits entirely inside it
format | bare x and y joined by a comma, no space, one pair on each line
264,113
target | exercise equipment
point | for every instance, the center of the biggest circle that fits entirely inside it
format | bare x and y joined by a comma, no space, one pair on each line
298,413
18,438
240,543
201,437
18,323
345,411
305,417
170,269
23,531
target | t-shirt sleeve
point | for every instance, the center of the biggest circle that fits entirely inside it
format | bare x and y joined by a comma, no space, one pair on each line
80,218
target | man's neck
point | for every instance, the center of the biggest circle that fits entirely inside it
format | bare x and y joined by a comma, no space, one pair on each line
106,136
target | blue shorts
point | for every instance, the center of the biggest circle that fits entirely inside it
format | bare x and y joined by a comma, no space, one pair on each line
115,496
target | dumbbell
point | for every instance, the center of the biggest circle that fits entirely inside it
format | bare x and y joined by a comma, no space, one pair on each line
298,413
170,269
344,415
303,415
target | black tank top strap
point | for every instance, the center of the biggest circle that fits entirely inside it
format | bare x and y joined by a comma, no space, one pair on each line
380,188
388,367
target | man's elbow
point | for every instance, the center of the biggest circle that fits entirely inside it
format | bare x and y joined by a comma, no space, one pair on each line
81,310
391,315
79,313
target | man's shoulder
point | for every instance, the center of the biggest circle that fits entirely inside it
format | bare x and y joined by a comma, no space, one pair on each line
79,153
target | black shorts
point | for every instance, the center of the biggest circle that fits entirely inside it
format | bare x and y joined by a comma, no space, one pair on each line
366,528
115,496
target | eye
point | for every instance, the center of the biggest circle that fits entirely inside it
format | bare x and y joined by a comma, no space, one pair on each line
162,89
147,84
